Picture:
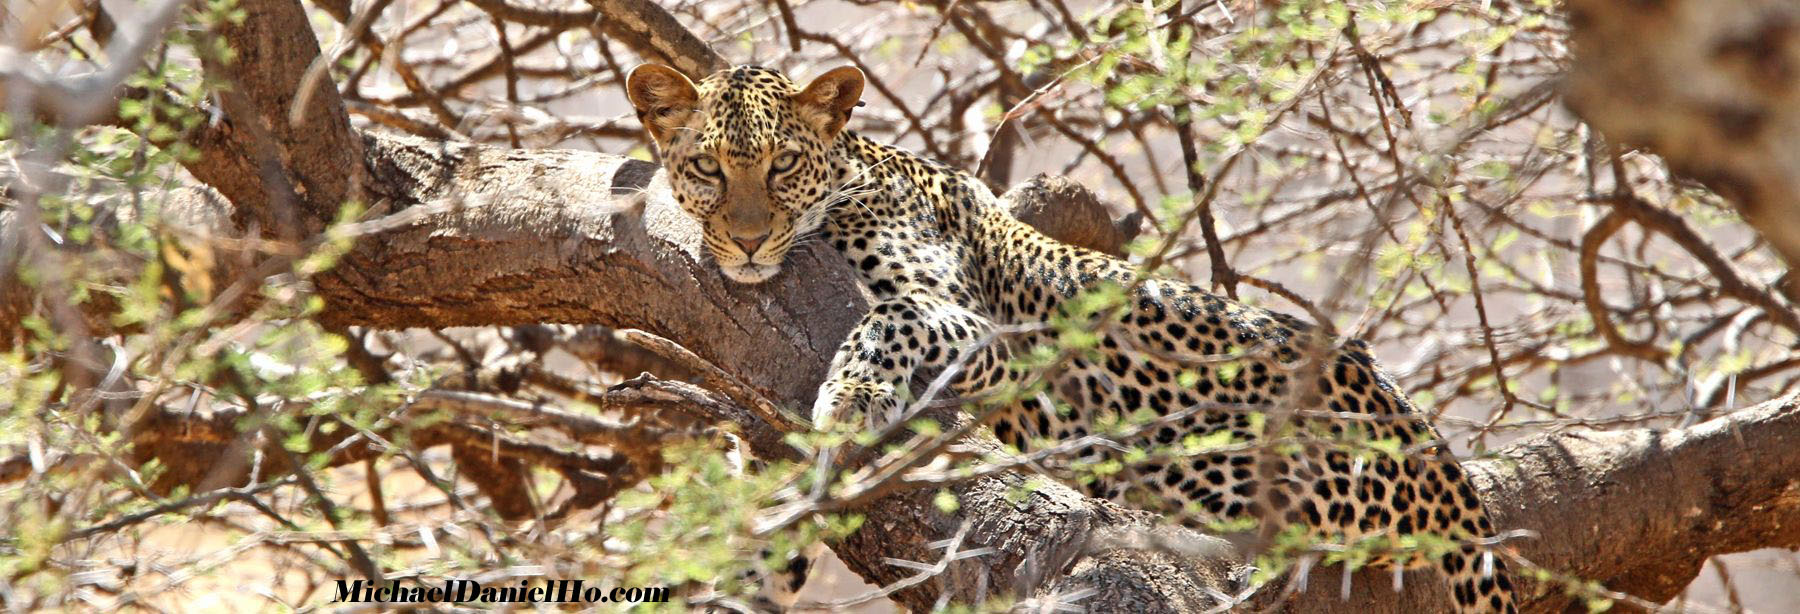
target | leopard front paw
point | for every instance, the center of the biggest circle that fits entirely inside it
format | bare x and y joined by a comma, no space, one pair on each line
873,405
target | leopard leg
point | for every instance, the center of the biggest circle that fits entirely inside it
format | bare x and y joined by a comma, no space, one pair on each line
1477,577
899,336
868,382
1426,493
1479,582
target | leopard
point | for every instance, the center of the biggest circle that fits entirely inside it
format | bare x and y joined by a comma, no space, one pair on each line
764,165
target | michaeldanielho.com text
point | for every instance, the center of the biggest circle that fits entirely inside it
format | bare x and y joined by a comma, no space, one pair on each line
471,591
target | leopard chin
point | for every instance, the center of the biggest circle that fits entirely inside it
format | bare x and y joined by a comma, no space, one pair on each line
750,273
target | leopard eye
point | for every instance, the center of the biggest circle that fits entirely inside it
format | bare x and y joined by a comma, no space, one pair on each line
707,165
784,163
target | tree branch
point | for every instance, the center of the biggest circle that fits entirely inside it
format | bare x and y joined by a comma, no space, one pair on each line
654,34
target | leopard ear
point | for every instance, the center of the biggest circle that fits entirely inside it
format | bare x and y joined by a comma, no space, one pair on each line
663,98
827,101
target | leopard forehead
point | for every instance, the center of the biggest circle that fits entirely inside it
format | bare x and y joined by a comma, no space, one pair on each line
745,111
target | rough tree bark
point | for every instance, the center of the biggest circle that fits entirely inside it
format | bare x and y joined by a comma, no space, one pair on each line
561,236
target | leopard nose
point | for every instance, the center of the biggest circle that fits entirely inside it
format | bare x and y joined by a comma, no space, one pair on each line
750,243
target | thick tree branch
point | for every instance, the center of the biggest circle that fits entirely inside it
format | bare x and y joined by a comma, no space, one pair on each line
654,34
1641,510
563,236
289,178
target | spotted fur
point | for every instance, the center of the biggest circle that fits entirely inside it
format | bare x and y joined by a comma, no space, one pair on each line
763,164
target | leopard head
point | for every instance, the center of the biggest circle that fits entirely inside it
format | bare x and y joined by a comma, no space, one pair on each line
749,155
